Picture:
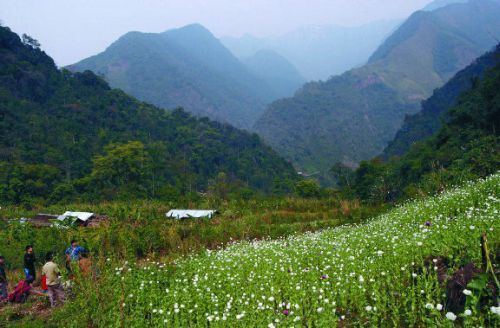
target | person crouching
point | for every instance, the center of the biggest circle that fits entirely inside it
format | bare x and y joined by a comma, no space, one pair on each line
23,290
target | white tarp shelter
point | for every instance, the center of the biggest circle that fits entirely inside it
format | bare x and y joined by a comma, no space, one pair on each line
82,216
186,214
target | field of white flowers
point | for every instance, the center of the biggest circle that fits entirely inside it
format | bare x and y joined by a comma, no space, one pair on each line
366,275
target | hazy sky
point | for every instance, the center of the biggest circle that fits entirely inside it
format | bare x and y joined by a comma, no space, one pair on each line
70,30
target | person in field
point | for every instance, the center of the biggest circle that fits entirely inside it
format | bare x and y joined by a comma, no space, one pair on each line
29,262
3,280
23,290
53,280
73,253
45,289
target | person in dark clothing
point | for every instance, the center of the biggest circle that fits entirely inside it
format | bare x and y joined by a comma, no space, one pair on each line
3,280
29,262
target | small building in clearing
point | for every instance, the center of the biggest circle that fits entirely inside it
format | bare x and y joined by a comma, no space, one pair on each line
187,214
80,218
84,219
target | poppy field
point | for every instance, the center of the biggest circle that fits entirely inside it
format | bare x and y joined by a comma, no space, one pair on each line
385,272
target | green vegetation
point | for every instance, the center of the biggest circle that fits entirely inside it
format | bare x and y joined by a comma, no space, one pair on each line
353,117
70,142
467,146
185,67
66,137
387,272
140,228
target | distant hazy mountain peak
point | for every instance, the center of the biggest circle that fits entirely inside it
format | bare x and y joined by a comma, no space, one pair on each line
194,28
318,51
404,32
437,4
189,67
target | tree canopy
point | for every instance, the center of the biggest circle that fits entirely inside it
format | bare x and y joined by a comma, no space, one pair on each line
69,135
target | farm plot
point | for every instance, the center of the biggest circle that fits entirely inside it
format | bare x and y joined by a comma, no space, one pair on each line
391,271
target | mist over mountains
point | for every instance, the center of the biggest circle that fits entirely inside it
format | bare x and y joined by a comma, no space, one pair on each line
389,67
319,52
188,67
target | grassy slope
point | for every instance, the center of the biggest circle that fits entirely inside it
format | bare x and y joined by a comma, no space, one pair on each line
369,274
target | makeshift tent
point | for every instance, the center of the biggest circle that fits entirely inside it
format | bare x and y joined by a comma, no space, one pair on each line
186,214
79,216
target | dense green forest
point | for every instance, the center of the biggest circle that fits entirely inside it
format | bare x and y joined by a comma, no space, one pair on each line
352,117
188,67
466,146
426,122
69,136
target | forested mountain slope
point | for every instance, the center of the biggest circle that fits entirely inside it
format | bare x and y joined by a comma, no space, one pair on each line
185,67
465,147
426,122
281,76
352,117
69,135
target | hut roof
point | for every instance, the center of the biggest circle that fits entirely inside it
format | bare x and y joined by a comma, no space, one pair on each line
185,214
82,216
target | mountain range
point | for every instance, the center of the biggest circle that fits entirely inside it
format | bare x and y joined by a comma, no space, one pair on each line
318,52
429,119
188,67
67,136
464,146
353,117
